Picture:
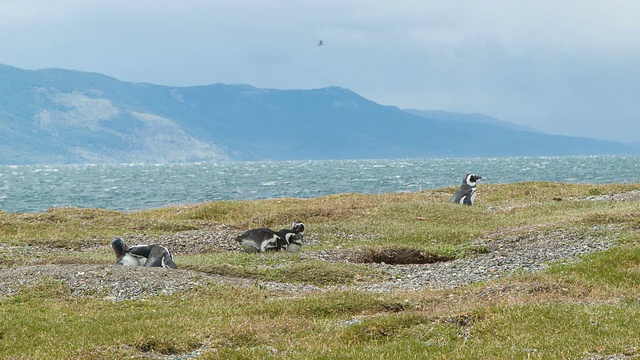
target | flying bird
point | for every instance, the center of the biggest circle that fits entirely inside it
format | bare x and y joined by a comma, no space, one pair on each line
320,43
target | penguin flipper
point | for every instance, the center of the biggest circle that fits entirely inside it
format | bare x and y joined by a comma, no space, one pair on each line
141,250
168,262
463,195
455,198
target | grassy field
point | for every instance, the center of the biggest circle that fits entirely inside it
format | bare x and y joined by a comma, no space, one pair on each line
584,309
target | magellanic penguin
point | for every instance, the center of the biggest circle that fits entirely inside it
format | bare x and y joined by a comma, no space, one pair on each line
466,194
142,255
260,240
294,237
265,239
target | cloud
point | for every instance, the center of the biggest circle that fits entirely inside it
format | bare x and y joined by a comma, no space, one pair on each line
559,66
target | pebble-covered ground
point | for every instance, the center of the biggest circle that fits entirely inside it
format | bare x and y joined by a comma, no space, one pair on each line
507,252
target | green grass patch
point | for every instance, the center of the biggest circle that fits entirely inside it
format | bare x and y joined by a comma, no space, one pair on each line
586,308
556,331
281,267
615,269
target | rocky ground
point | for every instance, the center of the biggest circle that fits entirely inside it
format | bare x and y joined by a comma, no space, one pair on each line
506,252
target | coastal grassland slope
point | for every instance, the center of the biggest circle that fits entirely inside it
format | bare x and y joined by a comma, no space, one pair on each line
533,270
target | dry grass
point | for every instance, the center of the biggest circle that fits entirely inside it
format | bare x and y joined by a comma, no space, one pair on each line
583,309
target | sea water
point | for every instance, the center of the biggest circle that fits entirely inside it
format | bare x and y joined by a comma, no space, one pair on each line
35,188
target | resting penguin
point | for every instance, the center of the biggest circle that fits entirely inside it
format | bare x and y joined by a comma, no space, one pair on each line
260,240
155,255
293,237
265,239
466,194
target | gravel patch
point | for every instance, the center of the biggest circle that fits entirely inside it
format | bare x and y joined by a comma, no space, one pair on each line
508,252
512,251
217,238
633,195
520,250
116,282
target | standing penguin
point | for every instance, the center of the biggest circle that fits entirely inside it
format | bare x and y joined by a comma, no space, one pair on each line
155,255
466,194
265,239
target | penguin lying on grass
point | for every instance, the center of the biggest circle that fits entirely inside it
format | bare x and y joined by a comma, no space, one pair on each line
295,240
265,239
466,194
142,255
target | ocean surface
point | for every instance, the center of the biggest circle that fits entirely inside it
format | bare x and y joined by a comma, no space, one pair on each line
127,187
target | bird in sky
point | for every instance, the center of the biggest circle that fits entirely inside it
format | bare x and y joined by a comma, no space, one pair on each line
320,43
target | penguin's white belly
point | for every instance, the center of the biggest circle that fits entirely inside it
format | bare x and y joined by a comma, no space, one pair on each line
293,248
249,246
129,260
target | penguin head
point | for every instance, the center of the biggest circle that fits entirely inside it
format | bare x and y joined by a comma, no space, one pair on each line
471,179
298,227
119,247
123,256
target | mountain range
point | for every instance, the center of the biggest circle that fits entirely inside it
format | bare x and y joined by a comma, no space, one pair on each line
66,116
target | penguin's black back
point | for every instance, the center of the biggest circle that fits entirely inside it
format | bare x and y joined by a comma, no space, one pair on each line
261,239
156,255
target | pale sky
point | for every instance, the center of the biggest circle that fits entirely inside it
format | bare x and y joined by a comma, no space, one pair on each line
568,67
